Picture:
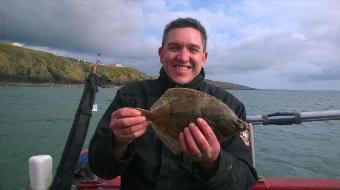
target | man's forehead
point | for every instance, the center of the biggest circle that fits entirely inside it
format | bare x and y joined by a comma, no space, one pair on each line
186,35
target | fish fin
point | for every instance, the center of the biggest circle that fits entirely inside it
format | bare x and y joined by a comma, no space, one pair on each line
146,113
171,143
184,92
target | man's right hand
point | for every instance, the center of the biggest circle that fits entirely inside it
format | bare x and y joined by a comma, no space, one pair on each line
127,124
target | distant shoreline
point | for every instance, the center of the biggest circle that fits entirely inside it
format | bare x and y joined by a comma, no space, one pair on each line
49,84
28,67
114,86
2,83
40,84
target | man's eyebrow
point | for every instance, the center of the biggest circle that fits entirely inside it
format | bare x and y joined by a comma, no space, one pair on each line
190,45
195,46
174,44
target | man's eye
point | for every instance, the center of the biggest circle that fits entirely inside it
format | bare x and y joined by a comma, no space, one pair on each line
172,47
194,50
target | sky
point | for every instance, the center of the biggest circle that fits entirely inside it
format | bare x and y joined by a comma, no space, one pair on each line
281,44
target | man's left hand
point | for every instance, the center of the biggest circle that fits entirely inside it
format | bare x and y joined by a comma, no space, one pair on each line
199,142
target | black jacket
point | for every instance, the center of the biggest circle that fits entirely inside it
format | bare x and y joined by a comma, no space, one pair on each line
150,165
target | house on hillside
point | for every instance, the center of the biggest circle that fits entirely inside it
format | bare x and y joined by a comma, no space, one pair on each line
17,44
119,65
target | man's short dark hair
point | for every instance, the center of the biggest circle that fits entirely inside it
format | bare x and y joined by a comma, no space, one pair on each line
183,23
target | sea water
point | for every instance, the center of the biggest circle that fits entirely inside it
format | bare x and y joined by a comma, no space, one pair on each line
37,120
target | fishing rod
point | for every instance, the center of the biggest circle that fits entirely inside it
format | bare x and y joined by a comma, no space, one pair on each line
64,175
289,118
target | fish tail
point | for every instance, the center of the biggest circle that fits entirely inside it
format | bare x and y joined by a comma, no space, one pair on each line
243,125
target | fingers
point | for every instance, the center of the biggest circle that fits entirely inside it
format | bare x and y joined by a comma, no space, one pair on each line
192,155
199,142
128,121
207,131
126,117
195,140
129,134
131,130
125,112
127,124
214,146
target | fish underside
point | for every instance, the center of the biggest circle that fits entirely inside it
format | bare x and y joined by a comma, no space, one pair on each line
178,107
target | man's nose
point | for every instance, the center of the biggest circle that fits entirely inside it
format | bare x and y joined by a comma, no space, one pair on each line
183,55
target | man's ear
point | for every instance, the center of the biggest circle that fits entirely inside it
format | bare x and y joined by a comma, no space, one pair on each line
205,57
160,54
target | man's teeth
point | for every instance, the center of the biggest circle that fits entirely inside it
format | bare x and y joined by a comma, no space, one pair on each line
181,67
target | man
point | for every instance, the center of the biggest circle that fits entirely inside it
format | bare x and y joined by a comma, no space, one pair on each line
125,145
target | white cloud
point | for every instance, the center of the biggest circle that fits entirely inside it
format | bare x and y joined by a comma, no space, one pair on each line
265,44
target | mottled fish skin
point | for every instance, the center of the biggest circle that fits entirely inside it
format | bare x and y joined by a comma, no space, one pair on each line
177,107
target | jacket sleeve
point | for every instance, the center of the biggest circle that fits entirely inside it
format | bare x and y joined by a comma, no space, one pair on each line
235,169
101,159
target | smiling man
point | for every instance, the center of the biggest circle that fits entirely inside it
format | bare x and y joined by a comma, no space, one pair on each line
125,145
183,54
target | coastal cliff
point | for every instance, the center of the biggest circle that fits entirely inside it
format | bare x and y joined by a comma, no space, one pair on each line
23,66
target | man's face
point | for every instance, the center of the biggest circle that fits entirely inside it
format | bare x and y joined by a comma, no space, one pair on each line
183,56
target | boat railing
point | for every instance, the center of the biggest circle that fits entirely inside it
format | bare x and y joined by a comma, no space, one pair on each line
287,118
41,166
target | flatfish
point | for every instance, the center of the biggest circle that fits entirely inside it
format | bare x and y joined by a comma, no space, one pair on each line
177,107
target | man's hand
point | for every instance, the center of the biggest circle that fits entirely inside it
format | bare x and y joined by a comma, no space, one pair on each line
200,144
127,124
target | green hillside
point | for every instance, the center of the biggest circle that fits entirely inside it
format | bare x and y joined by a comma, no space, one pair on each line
28,66
22,65
228,85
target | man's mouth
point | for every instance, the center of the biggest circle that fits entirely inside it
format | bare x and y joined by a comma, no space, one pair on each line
182,67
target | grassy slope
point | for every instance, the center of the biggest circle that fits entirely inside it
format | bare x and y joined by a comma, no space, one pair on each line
23,65
19,64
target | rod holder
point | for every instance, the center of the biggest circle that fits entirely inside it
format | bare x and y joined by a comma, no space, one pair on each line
40,172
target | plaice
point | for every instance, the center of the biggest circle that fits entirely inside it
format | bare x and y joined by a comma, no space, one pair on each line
177,107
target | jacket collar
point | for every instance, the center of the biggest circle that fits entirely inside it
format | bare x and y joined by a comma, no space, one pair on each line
169,83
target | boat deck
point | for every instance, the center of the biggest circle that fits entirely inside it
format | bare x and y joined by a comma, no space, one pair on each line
262,184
